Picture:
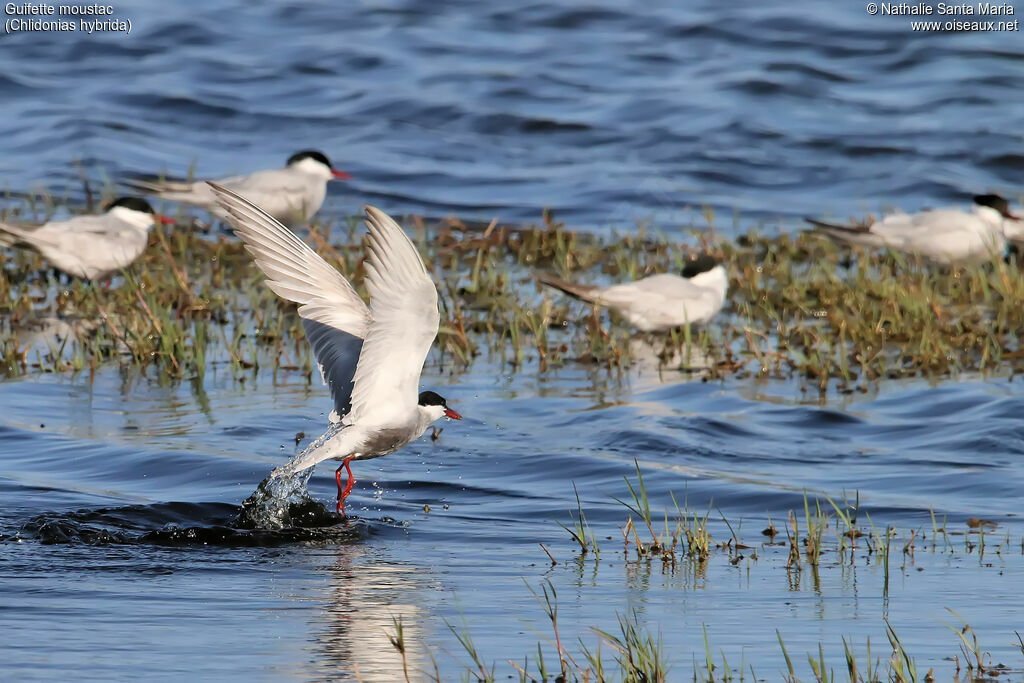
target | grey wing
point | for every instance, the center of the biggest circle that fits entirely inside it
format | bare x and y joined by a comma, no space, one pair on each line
102,224
665,285
337,353
279,192
57,232
662,301
256,188
897,228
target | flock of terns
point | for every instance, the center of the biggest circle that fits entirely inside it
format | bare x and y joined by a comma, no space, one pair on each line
371,357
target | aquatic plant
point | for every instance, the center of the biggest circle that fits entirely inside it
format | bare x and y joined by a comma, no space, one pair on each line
638,655
800,309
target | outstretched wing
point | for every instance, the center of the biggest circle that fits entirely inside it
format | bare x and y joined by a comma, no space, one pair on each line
404,320
335,319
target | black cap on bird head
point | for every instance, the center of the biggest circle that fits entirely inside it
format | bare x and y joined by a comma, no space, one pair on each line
320,157
431,398
133,203
994,201
698,263
309,154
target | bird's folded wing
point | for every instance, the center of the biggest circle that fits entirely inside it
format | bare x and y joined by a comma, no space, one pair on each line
103,224
667,285
900,225
279,180
278,192
939,222
335,318
403,309
46,234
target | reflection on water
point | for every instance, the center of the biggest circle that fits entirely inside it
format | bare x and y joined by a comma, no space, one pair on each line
53,333
656,359
366,596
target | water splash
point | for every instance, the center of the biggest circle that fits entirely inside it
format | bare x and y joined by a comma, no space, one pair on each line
275,502
282,499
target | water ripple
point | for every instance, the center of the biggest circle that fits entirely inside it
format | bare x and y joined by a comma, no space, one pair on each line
509,111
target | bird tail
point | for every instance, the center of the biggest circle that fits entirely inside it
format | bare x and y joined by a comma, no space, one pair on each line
11,235
583,292
849,234
823,225
160,188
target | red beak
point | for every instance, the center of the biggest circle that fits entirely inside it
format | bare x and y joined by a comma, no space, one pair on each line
340,175
448,412
166,220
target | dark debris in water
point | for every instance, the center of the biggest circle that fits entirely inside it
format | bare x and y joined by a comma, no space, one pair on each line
191,524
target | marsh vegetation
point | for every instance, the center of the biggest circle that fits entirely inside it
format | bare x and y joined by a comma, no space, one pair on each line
799,308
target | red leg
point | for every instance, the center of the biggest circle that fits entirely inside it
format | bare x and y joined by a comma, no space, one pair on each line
341,505
343,494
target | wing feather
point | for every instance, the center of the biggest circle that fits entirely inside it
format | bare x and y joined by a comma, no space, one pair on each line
335,319
404,322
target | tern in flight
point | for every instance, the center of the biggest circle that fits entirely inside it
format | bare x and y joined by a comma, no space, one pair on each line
371,358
